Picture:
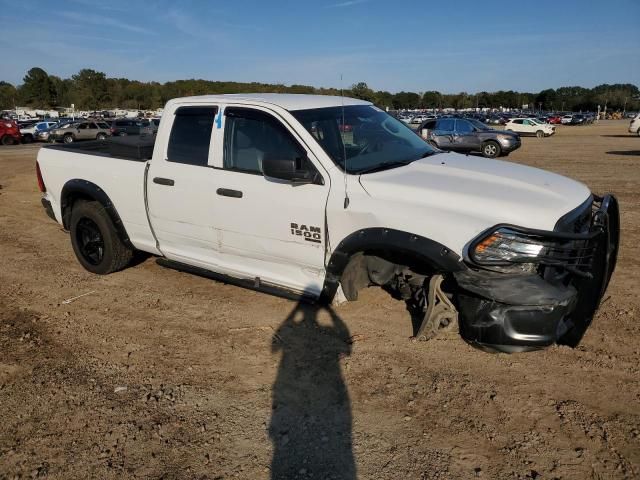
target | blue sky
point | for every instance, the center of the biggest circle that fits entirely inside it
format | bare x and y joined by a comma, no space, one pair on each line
443,45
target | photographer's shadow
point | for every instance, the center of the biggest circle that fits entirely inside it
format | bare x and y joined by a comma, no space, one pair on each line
311,412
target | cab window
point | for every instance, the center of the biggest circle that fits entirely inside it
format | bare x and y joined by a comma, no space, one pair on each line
250,136
191,135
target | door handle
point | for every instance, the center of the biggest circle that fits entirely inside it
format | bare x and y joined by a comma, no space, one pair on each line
164,181
227,192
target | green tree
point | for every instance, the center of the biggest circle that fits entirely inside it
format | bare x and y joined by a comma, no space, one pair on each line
363,92
37,89
90,90
8,96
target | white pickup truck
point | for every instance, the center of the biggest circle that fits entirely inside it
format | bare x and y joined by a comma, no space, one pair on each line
321,196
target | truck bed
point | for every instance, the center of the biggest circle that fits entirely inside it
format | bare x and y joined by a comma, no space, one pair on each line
134,148
116,166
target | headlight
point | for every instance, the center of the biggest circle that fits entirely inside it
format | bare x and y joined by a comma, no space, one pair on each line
507,250
505,138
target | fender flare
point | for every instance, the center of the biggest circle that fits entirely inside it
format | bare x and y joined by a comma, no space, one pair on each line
78,188
423,250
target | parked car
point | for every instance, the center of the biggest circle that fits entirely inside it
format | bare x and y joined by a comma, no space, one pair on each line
30,134
496,120
577,119
80,131
555,119
520,256
9,132
468,135
150,126
126,126
634,125
530,127
566,119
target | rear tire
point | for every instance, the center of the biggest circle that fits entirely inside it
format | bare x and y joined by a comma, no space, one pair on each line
638,132
540,134
68,138
101,137
491,149
95,240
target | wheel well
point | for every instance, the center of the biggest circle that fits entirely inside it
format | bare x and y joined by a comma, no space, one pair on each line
378,254
397,272
75,190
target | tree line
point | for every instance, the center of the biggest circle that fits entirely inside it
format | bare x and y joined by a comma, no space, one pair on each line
92,90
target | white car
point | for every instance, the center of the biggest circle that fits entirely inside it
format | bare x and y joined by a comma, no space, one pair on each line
634,126
30,134
274,193
566,119
530,127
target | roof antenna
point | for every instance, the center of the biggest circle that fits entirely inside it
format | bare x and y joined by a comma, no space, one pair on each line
344,148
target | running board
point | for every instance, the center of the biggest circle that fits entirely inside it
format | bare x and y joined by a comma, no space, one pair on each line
256,285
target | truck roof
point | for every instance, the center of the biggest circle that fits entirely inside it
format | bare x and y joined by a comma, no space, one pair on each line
288,101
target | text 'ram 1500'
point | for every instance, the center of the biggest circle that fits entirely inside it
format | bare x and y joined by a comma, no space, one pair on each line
322,196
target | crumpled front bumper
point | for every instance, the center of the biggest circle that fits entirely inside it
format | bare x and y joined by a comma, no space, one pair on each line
515,312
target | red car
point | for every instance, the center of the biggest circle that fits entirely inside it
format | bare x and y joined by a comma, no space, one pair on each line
555,119
9,132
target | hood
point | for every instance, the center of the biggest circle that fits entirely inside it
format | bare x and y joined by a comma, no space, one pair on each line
494,131
479,192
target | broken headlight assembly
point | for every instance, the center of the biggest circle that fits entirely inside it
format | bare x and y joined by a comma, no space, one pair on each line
512,249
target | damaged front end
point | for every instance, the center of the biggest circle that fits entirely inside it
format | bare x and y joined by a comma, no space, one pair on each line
526,289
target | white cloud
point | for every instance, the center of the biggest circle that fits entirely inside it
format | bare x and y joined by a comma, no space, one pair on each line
104,21
348,3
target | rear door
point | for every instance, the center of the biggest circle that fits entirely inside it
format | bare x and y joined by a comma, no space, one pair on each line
426,128
268,228
180,188
443,134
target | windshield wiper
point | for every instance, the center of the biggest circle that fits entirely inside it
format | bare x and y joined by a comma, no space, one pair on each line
383,166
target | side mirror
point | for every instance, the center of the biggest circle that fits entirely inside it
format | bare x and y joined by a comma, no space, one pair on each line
298,171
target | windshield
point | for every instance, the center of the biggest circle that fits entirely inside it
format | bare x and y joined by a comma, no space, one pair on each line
368,137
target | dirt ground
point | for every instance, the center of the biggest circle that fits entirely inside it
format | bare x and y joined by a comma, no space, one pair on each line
160,374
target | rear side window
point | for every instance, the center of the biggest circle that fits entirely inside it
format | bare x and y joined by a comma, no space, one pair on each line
446,125
191,135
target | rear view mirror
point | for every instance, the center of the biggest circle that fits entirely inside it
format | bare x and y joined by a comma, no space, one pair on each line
297,170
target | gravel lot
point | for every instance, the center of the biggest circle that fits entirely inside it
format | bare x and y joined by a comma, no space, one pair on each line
160,374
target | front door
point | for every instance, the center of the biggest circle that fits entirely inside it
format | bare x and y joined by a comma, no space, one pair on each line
465,138
267,228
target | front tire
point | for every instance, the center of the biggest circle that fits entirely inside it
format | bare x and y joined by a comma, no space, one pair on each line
27,138
638,132
540,134
95,240
101,137
68,138
491,149
8,140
